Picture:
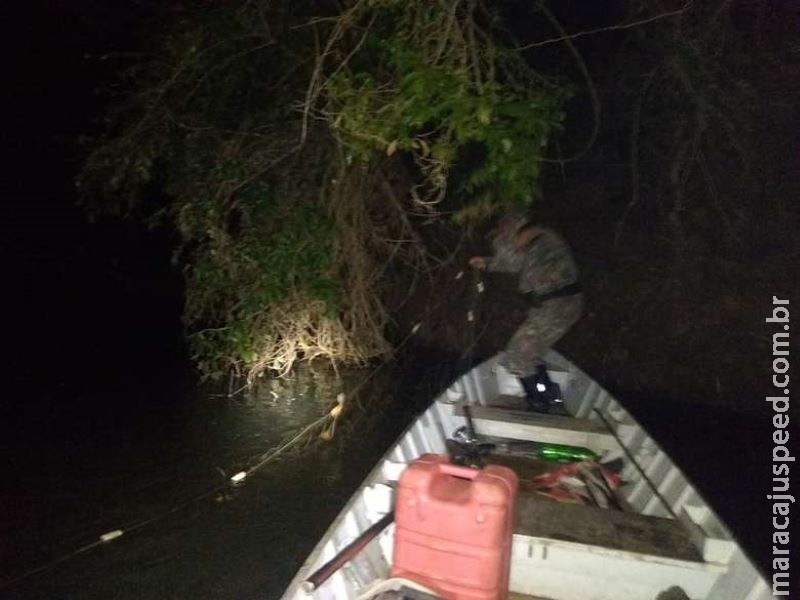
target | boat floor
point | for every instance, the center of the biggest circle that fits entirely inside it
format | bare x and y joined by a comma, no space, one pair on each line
606,528
538,516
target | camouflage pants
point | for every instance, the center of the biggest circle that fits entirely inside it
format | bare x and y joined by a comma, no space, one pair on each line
543,327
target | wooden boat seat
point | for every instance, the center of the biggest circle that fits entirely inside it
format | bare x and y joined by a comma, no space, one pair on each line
593,526
515,423
509,402
541,517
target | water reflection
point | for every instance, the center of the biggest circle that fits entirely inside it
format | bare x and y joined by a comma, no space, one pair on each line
143,460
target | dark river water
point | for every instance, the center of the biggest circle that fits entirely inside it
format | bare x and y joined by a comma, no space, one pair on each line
102,427
150,455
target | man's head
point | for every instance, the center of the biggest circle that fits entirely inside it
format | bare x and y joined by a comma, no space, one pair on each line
516,230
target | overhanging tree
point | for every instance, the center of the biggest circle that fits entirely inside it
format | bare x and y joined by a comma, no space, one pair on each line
296,148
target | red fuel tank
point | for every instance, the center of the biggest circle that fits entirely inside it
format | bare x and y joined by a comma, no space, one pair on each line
453,528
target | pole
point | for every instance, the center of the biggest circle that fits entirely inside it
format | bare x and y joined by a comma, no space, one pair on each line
321,575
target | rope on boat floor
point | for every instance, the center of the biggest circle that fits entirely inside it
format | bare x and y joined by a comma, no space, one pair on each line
330,418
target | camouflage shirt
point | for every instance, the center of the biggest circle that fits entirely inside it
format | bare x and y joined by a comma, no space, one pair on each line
544,265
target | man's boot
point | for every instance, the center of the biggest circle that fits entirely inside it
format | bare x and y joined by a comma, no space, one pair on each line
542,393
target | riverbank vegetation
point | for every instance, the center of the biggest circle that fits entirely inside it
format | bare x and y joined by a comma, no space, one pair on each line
322,161
298,149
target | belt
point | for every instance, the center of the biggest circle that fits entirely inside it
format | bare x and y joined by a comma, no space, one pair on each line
568,290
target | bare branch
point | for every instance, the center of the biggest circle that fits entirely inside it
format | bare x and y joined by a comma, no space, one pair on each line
617,27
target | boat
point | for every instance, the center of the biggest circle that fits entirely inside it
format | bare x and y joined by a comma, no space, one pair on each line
660,540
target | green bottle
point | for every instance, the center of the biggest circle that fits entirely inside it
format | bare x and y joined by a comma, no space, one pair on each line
565,454
550,452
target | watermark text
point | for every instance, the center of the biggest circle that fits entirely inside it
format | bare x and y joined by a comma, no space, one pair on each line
782,459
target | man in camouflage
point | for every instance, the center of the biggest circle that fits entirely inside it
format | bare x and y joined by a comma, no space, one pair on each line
548,278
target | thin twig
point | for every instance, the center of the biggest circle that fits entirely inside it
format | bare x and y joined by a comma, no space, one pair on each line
617,27
635,183
315,83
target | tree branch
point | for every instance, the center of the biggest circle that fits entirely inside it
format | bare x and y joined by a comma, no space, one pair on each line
619,26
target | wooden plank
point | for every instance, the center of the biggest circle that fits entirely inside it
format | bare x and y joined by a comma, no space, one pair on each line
628,532
524,416
510,402
537,427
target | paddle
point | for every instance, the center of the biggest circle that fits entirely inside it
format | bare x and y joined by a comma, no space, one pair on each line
321,575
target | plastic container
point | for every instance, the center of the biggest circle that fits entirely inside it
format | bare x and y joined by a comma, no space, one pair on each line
453,528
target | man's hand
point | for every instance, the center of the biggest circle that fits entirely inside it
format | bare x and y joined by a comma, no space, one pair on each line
477,262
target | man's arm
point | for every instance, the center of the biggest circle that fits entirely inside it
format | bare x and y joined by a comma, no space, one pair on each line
505,260
502,262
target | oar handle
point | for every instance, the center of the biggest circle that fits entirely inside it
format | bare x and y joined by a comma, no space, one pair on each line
321,575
